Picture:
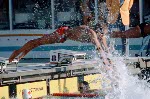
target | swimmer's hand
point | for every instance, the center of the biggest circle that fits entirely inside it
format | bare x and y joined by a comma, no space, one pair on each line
14,55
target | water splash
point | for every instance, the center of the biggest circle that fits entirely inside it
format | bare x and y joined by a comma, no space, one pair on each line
122,85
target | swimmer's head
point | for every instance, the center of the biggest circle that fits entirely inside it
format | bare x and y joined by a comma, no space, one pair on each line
84,87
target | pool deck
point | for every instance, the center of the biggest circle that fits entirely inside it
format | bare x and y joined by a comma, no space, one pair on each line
26,72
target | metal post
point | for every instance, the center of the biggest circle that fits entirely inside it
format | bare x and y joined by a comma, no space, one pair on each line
52,10
141,10
96,12
10,15
127,43
48,86
141,19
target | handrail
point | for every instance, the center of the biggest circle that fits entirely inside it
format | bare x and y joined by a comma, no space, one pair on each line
8,35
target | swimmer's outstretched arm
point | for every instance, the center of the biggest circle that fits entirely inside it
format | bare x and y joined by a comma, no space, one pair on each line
135,32
46,39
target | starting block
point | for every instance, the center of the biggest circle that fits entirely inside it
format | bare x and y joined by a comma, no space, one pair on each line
6,66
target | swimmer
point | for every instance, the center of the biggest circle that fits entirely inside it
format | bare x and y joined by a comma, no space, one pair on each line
80,33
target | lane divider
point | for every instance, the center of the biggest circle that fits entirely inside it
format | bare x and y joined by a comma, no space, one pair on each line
74,95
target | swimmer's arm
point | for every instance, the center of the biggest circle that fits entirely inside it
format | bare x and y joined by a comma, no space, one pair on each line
104,41
95,39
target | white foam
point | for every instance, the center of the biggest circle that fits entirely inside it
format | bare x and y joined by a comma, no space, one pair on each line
123,84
